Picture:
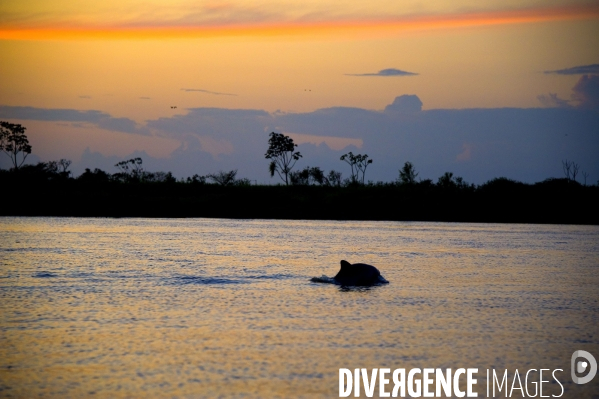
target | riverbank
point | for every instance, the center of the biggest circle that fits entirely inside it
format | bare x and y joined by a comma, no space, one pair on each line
557,201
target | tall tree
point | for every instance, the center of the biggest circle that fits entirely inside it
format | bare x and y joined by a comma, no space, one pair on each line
281,152
358,164
407,174
14,141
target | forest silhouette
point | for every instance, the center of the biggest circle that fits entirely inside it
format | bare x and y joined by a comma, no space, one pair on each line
49,189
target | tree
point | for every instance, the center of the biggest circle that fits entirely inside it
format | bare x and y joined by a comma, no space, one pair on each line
358,164
130,169
281,153
224,178
307,176
407,174
95,177
59,168
14,141
159,177
570,169
585,175
333,179
446,181
64,165
197,179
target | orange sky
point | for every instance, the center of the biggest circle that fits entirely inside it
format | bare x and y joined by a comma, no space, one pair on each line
377,25
133,59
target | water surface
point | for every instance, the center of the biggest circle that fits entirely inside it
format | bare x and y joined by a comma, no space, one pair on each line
192,308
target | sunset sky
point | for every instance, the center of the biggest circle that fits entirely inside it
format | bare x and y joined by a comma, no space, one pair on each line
95,81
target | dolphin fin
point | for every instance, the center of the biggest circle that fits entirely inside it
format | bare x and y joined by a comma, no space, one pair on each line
344,263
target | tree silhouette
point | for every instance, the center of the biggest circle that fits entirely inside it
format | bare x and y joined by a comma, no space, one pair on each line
449,181
358,164
570,169
446,181
224,178
64,165
95,177
59,168
197,179
585,175
14,141
407,174
131,169
333,179
281,153
307,176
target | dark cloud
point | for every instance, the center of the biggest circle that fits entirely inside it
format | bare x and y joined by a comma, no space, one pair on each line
577,70
51,114
218,132
216,93
478,144
144,98
385,72
125,125
98,118
325,122
218,122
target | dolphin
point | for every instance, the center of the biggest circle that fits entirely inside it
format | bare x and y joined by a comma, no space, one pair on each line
358,274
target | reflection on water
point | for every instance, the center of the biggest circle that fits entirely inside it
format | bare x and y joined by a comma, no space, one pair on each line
209,307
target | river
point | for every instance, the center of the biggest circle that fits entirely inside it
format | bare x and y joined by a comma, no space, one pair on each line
207,308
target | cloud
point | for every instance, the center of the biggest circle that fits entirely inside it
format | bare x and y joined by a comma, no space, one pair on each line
269,18
551,100
144,98
586,92
478,144
48,114
577,70
241,127
85,97
466,154
385,72
585,95
98,118
405,103
219,122
334,143
210,92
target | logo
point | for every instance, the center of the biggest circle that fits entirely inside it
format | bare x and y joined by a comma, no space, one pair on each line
580,366
462,382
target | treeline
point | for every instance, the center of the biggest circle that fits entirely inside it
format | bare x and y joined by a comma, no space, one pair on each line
49,189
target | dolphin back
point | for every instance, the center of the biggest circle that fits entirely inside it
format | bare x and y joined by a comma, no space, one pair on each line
358,274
